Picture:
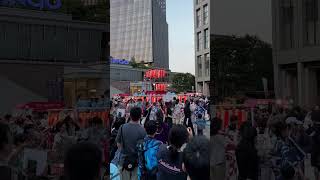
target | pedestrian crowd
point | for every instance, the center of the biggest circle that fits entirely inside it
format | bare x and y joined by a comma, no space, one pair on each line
160,140
280,144
19,134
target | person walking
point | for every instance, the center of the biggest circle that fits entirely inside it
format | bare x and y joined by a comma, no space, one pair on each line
170,157
128,136
247,154
187,116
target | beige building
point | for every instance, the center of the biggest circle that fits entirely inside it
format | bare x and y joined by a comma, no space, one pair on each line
296,50
202,45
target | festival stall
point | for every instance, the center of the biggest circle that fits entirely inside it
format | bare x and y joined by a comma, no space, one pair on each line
81,115
225,112
243,112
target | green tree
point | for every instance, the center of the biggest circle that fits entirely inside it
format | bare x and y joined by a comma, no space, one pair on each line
239,64
183,82
140,65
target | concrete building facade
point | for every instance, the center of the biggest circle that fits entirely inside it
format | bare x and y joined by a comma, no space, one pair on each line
37,46
202,45
139,31
296,50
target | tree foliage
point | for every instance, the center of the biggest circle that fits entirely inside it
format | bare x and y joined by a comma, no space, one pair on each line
134,64
239,64
183,82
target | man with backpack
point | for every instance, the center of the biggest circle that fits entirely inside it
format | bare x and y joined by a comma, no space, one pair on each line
128,136
147,151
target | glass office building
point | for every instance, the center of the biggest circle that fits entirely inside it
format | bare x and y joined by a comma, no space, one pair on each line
139,31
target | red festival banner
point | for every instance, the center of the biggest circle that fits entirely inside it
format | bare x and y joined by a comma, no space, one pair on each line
82,117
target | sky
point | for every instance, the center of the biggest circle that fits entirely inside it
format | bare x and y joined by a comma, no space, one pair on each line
181,35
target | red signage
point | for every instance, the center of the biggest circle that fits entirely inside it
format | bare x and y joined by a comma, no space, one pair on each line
41,106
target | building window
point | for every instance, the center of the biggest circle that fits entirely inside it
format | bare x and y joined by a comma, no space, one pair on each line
206,39
207,64
205,14
199,41
310,22
197,2
286,24
199,62
198,18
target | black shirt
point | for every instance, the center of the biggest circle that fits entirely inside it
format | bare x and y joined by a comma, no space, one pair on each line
168,168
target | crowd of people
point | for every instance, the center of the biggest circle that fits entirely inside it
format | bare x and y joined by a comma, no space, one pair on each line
167,140
19,134
277,145
160,140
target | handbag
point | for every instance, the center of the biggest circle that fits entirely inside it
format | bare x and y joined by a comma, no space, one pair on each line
130,161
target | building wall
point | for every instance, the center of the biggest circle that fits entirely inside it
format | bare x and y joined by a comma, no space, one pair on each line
21,83
40,36
160,35
296,55
202,45
139,30
131,30
14,94
34,48
125,73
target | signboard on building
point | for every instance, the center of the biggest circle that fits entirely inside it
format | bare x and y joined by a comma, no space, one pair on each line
119,61
38,4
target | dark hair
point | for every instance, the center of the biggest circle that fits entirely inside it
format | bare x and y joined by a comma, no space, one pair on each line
287,172
97,121
248,134
83,162
159,116
119,121
7,117
279,127
151,127
215,126
178,136
4,132
196,158
233,119
58,126
135,114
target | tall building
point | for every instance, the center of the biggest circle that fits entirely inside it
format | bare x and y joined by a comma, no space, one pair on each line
202,45
139,31
296,50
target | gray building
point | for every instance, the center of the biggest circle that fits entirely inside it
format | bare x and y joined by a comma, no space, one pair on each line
35,49
296,50
139,30
202,45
